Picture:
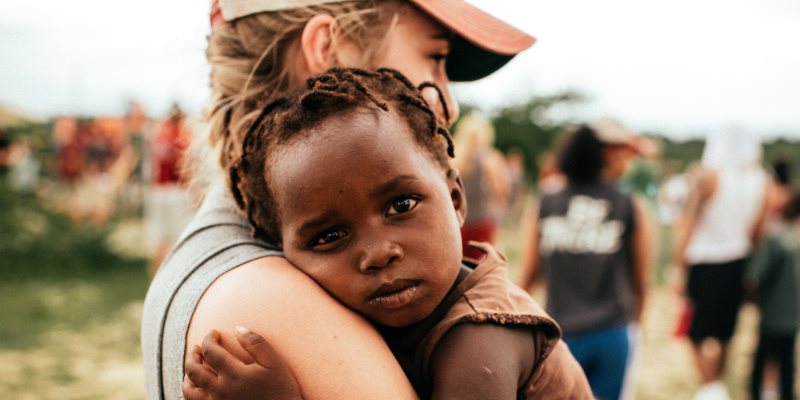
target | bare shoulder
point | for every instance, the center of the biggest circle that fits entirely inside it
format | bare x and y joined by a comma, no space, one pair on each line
249,295
317,336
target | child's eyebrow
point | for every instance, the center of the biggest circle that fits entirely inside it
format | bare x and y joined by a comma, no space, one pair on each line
391,184
316,223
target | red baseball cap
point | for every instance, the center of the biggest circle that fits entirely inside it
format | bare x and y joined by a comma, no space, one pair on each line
481,46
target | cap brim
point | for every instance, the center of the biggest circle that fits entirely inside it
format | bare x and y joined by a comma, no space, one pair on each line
483,43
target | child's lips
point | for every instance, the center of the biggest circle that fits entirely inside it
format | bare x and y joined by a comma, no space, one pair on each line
394,294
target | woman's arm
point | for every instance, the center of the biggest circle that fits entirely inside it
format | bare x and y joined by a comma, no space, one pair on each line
703,184
332,352
760,227
642,247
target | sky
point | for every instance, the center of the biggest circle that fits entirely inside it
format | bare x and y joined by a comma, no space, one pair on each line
682,68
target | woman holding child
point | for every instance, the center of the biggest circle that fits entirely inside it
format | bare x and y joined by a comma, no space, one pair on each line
219,276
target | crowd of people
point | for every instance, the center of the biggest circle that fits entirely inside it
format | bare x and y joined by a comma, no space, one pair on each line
94,169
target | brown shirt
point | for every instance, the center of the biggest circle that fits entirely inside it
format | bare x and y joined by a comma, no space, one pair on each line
486,296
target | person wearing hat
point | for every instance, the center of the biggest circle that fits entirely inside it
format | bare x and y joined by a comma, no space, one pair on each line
589,242
218,276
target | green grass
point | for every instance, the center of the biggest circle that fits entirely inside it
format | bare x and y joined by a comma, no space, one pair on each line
70,307
33,307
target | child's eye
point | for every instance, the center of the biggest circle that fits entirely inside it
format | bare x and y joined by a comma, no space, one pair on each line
401,205
328,237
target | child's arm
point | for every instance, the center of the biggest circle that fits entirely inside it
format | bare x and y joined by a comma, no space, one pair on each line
212,372
482,361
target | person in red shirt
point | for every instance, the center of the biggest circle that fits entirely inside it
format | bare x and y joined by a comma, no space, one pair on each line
169,206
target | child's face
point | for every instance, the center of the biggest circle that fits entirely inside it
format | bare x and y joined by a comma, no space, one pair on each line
370,216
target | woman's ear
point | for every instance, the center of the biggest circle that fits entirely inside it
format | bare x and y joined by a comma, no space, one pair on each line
316,43
457,195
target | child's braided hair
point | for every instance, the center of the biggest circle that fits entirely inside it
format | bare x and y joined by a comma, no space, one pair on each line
325,95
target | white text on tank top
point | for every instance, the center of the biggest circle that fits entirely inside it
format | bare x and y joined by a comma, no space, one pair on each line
583,229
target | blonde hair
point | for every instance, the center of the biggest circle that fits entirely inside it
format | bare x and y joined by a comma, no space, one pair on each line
250,61
474,133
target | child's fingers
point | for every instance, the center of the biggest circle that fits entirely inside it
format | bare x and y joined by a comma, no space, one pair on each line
200,374
217,357
197,358
192,392
258,348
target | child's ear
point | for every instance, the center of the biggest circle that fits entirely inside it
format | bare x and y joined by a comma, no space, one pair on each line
457,194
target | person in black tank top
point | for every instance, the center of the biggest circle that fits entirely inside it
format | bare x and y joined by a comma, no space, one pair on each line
588,244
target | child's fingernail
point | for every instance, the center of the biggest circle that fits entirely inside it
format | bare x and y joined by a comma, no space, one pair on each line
242,329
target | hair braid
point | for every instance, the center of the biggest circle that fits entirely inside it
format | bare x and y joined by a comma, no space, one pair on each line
336,91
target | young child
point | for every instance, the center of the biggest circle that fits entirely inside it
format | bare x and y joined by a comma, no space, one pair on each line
774,271
351,176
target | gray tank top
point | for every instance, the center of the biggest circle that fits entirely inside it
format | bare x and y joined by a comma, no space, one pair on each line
585,235
216,241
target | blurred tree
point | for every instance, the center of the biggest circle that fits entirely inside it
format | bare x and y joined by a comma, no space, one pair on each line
683,153
37,135
36,241
643,176
527,127
783,149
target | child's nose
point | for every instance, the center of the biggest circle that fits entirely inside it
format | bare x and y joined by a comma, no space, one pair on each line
379,255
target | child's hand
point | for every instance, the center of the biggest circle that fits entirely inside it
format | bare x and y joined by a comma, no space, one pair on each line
212,372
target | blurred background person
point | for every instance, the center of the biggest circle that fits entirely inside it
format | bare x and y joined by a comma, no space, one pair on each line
671,196
774,274
670,200
780,191
518,186
589,242
94,195
69,150
5,153
169,207
25,168
723,218
486,180
550,177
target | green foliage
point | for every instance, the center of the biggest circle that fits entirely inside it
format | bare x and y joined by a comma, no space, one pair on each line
34,306
38,242
642,177
57,276
682,154
526,127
